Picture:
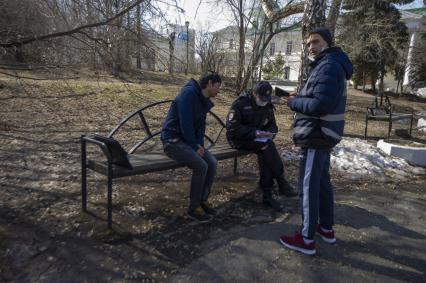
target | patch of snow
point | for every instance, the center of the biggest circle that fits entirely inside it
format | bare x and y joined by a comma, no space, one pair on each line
421,92
421,124
356,159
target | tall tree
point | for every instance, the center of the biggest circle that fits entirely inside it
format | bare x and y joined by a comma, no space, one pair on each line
333,15
373,34
139,36
207,47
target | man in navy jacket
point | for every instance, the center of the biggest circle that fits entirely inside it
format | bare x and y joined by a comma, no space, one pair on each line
183,140
318,127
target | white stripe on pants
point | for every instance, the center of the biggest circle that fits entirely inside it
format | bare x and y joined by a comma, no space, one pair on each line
306,181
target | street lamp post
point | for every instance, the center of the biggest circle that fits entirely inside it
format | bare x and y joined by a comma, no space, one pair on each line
187,44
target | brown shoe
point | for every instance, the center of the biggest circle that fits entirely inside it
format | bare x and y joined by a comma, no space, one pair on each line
208,208
200,215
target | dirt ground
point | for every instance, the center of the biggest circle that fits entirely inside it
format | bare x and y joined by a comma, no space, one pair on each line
45,237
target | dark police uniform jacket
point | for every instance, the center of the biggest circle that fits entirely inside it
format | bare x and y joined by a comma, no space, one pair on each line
245,118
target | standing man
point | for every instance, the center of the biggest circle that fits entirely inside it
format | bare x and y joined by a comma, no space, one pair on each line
183,140
251,125
318,127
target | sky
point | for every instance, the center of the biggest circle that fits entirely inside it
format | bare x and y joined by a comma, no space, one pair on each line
212,17
205,15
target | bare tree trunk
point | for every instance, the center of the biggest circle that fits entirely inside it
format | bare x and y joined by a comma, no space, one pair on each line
138,36
381,81
128,55
171,52
397,86
373,82
363,81
241,53
333,15
313,17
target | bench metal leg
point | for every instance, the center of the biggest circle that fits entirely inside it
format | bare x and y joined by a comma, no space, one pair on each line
83,176
390,128
411,125
235,165
109,205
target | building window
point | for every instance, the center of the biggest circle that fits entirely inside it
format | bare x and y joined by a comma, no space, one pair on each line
231,43
287,73
289,47
272,48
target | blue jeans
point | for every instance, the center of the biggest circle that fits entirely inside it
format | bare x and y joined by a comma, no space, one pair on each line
315,191
203,170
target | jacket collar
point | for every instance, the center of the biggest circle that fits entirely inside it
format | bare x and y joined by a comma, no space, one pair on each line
323,55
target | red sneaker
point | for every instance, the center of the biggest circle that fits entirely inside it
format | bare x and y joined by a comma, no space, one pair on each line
327,237
297,243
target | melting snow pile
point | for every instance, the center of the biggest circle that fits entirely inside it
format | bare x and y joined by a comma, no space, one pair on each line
421,92
357,159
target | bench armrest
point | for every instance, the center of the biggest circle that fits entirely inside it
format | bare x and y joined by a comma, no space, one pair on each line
86,139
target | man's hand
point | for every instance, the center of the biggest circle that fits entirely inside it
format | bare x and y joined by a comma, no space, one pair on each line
200,151
286,99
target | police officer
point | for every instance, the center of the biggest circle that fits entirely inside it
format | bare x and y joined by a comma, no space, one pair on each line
251,125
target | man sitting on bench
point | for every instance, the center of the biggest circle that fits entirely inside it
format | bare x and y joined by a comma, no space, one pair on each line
183,140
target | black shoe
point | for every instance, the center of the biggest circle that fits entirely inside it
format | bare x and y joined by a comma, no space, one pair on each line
208,208
285,188
269,201
200,215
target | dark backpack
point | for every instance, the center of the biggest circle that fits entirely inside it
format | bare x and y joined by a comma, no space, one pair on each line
119,155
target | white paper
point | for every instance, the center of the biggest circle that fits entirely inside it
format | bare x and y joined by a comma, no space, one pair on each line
262,139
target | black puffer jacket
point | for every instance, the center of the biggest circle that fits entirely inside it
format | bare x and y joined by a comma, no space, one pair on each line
245,118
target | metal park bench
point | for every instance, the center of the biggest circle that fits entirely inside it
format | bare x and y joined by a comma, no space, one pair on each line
385,112
146,155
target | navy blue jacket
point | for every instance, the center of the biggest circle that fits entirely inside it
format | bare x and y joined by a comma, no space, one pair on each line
186,119
320,106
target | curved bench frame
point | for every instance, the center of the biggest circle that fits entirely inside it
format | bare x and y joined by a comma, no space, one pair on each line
150,134
113,171
384,112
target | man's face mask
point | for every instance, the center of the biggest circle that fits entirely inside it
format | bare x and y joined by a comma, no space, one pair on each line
261,102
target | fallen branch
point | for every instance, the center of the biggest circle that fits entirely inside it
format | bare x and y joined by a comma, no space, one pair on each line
38,79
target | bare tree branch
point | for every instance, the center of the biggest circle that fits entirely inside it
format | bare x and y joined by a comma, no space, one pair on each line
289,9
70,32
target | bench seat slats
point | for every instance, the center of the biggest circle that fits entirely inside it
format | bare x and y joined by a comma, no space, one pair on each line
395,117
151,162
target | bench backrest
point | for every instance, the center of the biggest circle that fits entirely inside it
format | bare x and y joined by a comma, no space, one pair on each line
148,122
379,107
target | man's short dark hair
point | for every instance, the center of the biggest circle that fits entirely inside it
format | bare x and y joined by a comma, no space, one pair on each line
209,76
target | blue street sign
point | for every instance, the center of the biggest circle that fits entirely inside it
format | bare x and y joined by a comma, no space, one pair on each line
183,36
